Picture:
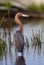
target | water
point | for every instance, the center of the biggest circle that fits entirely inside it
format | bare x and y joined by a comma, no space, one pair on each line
32,56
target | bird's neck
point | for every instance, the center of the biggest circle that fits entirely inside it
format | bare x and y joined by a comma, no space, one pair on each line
17,21
21,27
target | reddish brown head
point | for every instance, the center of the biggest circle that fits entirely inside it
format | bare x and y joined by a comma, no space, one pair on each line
17,21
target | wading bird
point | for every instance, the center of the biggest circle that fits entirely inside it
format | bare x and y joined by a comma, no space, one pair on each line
18,36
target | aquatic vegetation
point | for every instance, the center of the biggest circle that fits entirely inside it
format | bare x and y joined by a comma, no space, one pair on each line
36,41
2,46
27,44
7,22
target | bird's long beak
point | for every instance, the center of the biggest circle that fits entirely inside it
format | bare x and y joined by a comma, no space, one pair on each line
24,15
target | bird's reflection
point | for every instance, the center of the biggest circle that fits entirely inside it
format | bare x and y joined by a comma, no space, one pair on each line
20,60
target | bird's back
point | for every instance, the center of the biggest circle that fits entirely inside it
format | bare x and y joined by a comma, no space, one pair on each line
19,41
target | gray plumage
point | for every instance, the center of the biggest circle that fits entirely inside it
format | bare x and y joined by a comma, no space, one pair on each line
19,41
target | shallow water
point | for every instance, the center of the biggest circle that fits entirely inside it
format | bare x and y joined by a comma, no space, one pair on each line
32,56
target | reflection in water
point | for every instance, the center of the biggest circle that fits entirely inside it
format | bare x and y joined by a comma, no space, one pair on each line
20,61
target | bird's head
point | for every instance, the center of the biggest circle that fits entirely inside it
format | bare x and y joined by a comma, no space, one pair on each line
22,15
17,21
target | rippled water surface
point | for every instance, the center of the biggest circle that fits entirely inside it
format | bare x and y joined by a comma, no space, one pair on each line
32,55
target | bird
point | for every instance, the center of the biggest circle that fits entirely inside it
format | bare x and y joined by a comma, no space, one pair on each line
18,36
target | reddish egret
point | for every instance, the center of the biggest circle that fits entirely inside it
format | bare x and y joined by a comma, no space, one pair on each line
18,36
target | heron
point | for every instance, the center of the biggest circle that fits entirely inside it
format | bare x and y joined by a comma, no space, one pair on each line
18,36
